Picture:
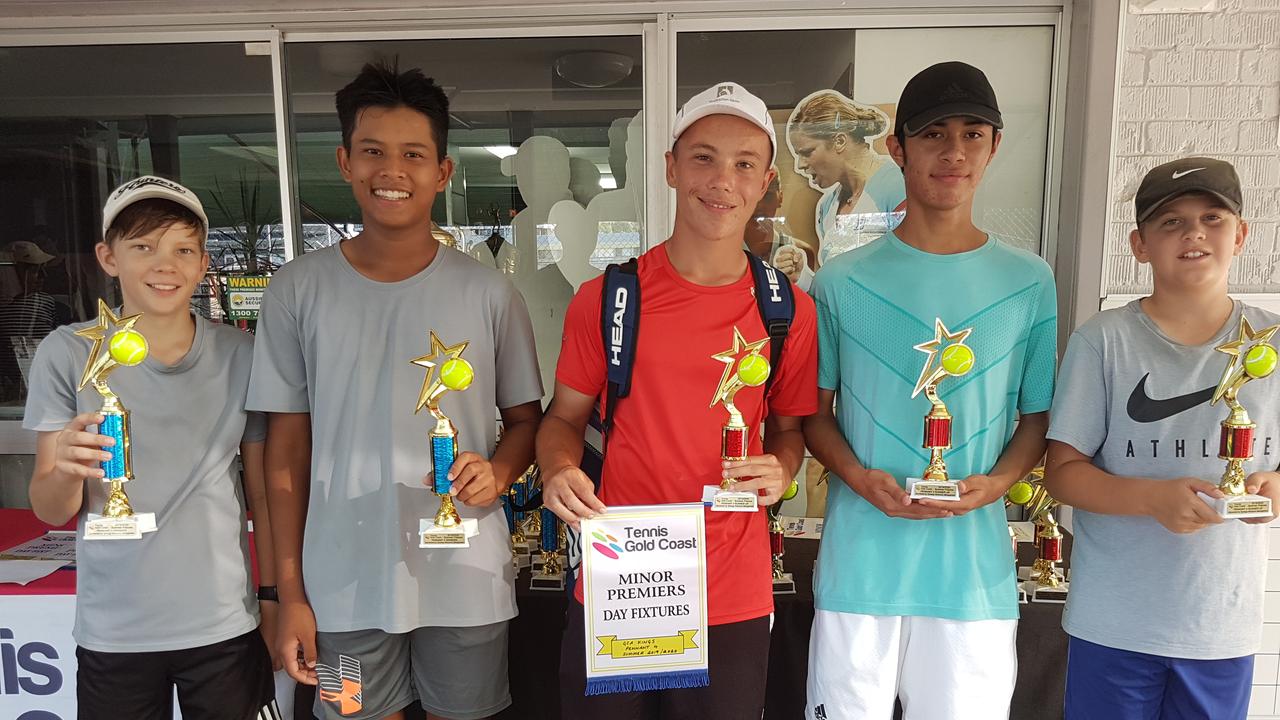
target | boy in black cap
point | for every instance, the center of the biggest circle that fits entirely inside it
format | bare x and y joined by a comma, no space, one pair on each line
917,598
1165,610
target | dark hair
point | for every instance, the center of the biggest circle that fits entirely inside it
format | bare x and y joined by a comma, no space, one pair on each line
146,215
383,85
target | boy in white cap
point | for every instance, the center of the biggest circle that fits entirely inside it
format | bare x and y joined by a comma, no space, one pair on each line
663,440
175,607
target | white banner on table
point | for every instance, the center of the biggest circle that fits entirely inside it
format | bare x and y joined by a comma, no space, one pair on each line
38,681
644,574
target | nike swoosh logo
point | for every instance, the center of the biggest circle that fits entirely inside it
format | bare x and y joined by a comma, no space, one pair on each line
1144,409
1185,172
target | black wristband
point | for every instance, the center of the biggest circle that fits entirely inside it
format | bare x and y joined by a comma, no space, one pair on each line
268,592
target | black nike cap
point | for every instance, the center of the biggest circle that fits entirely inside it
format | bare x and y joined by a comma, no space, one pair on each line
946,90
1174,179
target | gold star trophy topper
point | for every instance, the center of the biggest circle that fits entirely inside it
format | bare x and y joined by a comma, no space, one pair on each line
126,347
455,374
948,357
1251,357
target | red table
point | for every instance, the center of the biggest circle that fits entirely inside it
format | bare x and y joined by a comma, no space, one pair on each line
18,526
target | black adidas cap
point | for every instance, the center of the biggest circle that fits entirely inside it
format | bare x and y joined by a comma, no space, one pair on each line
1174,179
945,90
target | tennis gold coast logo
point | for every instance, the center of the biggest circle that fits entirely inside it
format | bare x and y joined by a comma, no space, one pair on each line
638,539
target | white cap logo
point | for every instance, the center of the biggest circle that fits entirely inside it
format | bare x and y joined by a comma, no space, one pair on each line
1180,173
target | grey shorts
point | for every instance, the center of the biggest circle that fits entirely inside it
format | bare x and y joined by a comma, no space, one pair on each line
455,672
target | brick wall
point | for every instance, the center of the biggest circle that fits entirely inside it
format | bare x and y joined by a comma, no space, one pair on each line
1209,84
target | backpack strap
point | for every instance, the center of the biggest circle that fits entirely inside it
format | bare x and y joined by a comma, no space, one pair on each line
775,298
619,330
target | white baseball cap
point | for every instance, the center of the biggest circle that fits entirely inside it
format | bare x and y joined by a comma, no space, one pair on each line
148,187
727,98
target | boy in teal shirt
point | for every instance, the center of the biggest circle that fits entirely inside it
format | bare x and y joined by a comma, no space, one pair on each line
916,598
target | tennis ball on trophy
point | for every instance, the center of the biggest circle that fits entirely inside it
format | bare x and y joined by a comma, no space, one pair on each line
456,374
128,347
957,359
1260,361
791,490
1020,493
753,370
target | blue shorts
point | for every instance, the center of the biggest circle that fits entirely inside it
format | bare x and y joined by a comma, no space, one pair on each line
1104,682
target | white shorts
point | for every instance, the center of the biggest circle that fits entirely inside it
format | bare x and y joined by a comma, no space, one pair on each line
941,669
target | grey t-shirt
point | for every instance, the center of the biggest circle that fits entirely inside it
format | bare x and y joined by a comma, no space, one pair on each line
338,345
189,583
1138,403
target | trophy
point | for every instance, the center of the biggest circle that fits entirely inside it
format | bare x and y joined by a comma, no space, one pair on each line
744,366
551,539
954,359
1044,580
519,546
127,347
448,530
1252,358
783,583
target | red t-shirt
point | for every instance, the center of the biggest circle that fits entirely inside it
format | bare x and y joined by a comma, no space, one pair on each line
665,442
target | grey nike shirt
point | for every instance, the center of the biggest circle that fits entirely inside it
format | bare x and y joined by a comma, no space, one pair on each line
1138,403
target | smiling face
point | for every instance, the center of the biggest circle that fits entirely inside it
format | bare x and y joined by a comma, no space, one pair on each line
1189,242
944,164
158,270
719,169
393,169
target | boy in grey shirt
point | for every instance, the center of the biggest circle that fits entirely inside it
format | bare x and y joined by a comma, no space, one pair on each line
175,607
1166,596
366,614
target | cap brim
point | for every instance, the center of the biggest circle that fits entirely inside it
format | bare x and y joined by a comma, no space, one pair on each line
1227,202
917,124
722,109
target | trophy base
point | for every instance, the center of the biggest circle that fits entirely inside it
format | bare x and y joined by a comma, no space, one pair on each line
553,582
785,585
1043,594
521,560
130,527
1239,506
1025,573
932,489
1023,599
458,536
729,500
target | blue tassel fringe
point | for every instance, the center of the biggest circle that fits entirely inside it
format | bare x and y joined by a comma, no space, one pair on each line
648,681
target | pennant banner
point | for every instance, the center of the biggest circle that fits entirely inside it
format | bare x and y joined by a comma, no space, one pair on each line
644,590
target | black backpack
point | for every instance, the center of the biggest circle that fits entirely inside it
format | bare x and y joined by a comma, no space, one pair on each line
620,328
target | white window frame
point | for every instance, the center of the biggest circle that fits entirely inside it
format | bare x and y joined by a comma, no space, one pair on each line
656,23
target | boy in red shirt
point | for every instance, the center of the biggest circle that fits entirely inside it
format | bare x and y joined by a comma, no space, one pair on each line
663,445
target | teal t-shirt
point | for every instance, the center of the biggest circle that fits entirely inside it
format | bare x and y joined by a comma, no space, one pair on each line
875,304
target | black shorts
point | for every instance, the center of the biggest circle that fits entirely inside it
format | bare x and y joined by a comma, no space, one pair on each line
229,680
738,660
